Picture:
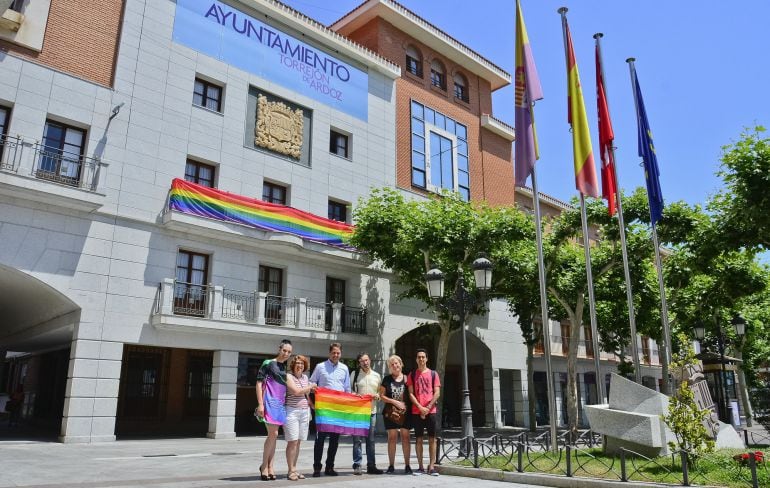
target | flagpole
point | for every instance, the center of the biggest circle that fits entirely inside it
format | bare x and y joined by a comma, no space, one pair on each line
622,226
586,247
666,358
545,322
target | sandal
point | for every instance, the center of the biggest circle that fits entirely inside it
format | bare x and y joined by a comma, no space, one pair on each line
293,476
263,476
300,475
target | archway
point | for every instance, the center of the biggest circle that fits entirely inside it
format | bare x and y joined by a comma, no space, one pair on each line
479,362
35,337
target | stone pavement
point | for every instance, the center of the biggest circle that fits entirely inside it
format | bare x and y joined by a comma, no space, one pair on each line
189,462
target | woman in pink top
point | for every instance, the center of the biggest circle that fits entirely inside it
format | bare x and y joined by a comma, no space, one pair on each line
297,411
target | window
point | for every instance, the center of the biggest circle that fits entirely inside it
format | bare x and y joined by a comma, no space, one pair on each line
207,95
338,144
589,338
537,330
4,116
461,87
17,5
273,193
271,282
338,211
413,61
200,173
198,383
437,74
646,356
190,289
439,152
61,157
335,293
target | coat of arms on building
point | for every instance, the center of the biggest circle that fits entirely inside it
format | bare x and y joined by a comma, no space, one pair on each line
279,128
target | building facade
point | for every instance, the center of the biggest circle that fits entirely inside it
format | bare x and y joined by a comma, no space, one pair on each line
175,179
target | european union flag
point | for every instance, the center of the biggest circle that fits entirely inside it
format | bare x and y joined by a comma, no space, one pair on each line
647,153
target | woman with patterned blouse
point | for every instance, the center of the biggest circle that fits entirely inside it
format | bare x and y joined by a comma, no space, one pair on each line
298,406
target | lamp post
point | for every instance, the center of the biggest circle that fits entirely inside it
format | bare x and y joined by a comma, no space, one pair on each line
457,305
739,325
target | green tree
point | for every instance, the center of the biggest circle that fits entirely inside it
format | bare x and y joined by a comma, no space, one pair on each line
410,237
684,417
741,208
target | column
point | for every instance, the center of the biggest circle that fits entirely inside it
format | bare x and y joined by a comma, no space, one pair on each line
224,377
91,397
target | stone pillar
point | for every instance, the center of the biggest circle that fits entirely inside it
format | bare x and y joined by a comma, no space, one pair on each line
91,397
497,414
215,310
261,306
336,317
301,313
224,377
167,297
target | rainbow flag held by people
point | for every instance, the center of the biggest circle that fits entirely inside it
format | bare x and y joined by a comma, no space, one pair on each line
342,413
211,203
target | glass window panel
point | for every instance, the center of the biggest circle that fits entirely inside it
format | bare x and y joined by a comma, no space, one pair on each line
430,115
417,110
440,121
462,162
199,262
450,125
198,99
54,135
199,88
418,178
435,160
418,160
197,277
461,131
462,147
465,194
418,126
205,172
463,179
3,119
418,143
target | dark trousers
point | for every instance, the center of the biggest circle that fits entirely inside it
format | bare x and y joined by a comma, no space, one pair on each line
318,449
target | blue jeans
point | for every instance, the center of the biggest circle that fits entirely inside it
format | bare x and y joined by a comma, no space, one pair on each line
357,457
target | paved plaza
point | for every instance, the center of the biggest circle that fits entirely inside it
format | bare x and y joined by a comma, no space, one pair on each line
196,462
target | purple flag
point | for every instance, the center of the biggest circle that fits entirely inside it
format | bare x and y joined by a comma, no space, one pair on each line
528,90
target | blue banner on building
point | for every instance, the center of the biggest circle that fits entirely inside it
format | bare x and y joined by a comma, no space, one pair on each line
227,34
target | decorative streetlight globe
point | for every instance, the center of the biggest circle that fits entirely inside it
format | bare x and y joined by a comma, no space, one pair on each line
434,279
700,331
482,273
739,324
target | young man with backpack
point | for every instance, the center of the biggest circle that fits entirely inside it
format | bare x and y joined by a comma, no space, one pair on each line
424,390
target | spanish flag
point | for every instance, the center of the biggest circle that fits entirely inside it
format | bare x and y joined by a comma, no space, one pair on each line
342,413
585,170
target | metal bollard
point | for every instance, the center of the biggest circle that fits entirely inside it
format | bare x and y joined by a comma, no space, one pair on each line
569,461
623,476
685,468
520,454
746,436
753,469
475,452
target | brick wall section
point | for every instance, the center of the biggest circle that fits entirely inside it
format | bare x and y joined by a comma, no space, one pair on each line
490,155
81,38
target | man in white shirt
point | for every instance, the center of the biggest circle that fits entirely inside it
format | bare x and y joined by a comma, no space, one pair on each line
330,374
366,381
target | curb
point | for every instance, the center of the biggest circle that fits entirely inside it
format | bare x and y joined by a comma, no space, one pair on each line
542,479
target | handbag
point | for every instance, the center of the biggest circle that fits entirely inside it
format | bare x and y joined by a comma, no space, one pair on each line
395,415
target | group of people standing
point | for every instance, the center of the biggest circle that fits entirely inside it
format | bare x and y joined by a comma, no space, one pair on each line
284,398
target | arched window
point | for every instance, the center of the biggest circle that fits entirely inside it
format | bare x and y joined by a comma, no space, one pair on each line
413,61
437,74
461,87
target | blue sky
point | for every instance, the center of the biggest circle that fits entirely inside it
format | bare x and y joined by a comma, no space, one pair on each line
701,65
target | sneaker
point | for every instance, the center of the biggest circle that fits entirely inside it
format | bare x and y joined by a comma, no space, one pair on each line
391,470
331,472
419,472
408,469
433,472
316,474
373,470
357,470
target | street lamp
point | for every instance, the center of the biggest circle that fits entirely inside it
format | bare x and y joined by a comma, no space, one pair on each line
456,305
739,325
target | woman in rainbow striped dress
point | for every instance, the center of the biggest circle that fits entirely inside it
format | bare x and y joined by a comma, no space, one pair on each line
271,404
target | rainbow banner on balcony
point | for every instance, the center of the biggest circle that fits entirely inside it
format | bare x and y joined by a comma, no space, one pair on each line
220,205
342,413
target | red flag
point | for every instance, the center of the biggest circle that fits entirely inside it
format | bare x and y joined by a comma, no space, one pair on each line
606,136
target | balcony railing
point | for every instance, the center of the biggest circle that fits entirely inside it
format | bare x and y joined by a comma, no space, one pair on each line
257,308
10,152
190,299
66,168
